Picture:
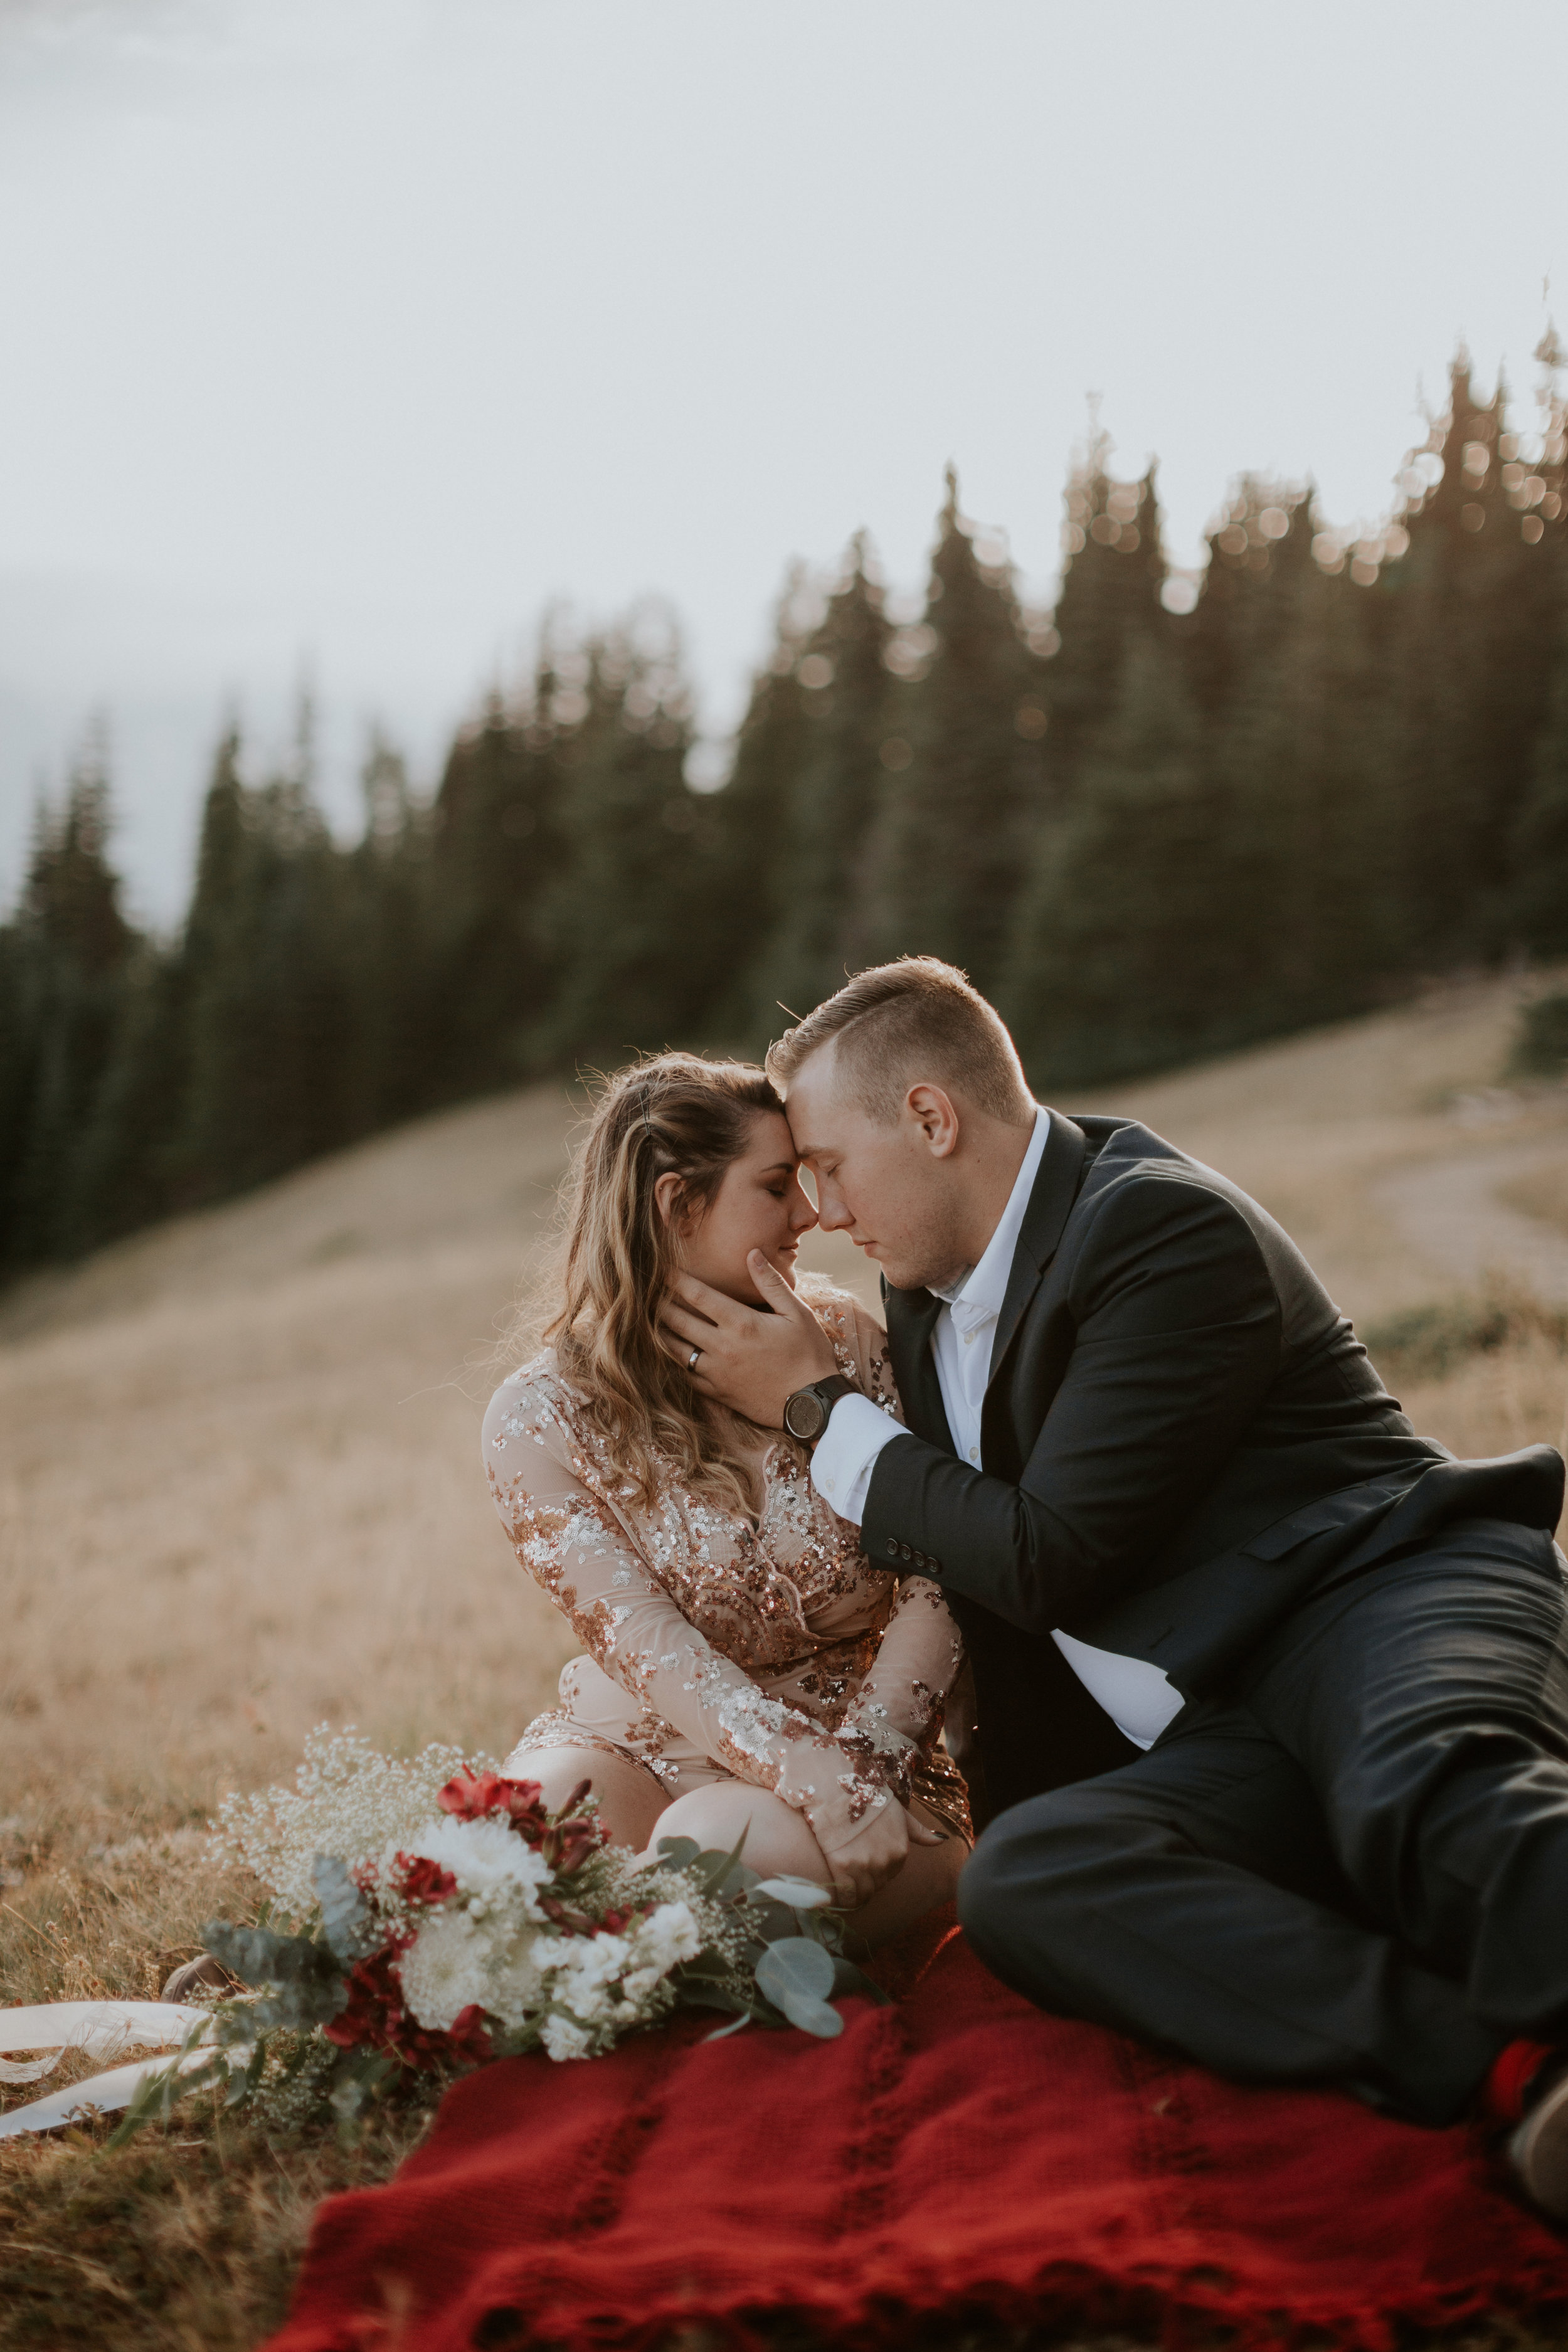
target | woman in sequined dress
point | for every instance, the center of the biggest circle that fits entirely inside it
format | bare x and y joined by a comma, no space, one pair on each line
744,1666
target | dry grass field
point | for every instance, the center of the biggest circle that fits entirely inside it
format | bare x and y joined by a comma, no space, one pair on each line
240,1495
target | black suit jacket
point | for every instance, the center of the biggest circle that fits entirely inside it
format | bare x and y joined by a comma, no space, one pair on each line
1181,1436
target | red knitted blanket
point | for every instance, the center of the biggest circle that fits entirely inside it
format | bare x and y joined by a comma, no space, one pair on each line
956,2156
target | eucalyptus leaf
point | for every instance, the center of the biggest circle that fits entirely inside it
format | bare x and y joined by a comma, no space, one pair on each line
766,1922
736,2025
304,1982
679,1853
800,1894
699,1995
718,1871
847,1977
813,2017
705,1963
347,1920
794,1969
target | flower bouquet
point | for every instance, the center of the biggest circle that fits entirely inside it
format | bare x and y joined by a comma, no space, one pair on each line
427,1915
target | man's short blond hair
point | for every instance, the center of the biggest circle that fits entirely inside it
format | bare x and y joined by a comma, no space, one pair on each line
900,1023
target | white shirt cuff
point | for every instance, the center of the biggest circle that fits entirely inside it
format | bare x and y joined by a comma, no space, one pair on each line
846,1452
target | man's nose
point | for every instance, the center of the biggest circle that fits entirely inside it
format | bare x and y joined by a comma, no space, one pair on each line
831,1213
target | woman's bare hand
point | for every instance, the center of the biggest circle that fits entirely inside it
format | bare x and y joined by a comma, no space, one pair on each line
871,1850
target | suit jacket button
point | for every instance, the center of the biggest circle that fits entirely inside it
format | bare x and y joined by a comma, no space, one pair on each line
904,1552
892,1546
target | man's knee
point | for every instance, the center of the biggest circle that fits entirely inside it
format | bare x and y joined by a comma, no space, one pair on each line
1025,1862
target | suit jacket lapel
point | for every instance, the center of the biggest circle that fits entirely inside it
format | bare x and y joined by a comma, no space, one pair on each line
911,1318
1051,1204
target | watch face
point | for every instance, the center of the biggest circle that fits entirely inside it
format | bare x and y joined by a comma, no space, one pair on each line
805,1414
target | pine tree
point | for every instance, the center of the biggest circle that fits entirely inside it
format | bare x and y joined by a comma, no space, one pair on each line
126,1171
757,824
1537,895
954,824
632,918
840,698
271,1041
390,957
498,852
1130,963
1108,610
63,972
1303,861
1113,570
1540,892
1470,627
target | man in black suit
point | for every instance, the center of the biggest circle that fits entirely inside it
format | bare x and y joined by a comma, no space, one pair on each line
1272,1693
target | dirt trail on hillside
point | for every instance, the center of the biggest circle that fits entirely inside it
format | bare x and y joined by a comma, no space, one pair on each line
1449,1212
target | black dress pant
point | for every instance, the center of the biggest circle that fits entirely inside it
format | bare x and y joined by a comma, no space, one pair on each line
1354,1871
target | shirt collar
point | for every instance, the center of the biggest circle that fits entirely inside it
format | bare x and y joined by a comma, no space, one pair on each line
979,1294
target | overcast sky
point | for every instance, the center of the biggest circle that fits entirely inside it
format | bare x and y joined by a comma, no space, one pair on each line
340,336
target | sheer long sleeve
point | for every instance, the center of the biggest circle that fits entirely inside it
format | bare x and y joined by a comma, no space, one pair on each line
901,1699
917,1660
573,1542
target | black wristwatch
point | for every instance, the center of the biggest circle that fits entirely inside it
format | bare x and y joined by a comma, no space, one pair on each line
806,1413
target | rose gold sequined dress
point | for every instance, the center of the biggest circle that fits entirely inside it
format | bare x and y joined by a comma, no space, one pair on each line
718,1648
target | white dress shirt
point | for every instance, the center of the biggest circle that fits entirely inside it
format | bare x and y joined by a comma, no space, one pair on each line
1135,1693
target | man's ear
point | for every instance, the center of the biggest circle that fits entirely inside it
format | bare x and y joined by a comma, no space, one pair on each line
933,1113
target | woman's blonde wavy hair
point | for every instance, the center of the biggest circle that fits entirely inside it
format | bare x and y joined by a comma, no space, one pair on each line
675,1112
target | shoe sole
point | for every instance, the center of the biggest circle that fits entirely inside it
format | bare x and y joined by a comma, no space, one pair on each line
1539,2152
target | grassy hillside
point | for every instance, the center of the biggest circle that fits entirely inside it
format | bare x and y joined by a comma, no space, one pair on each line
240,1493
241,1481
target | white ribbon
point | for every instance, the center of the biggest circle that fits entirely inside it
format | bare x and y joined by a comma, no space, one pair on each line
103,2029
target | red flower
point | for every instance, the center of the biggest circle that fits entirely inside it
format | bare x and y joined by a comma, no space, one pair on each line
571,1836
615,1923
466,2037
420,1880
470,1796
377,2018
565,1839
374,2009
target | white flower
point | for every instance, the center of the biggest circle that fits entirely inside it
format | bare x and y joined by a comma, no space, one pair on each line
667,1936
347,1800
486,1857
443,1970
562,2039
454,1960
516,1988
585,1968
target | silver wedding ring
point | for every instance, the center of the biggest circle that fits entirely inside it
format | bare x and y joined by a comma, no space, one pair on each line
692,1360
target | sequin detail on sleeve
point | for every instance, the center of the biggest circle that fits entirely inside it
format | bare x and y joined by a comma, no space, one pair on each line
777,1652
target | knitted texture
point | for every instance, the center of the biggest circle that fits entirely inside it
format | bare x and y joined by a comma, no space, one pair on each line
957,2157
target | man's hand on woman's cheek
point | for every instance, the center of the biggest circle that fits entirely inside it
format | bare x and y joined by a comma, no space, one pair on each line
750,1361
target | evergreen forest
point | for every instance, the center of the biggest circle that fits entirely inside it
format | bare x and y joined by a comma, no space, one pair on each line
1155,824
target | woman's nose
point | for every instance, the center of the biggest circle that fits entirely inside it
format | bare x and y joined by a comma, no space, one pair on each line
802,1215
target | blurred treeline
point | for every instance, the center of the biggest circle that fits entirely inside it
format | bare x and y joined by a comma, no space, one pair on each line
1148,832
